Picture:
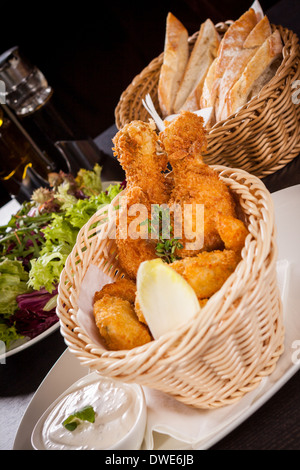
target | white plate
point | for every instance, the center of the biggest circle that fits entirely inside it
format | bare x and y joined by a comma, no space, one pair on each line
67,369
19,345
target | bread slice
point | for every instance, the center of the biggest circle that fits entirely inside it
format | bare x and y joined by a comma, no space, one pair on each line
231,44
261,68
259,34
204,52
238,63
206,95
176,54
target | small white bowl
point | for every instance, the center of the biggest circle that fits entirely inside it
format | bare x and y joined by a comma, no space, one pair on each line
131,440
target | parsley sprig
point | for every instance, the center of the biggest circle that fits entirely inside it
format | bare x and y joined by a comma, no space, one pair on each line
85,414
161,229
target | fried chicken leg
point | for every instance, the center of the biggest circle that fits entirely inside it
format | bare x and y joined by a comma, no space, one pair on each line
136,150
135,146
195,183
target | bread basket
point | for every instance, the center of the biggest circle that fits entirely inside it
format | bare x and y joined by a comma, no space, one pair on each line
232,344
261,138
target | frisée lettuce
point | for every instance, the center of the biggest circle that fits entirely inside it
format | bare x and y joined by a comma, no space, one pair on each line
60,237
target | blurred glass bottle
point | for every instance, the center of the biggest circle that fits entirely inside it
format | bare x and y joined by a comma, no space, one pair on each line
31,98
22,167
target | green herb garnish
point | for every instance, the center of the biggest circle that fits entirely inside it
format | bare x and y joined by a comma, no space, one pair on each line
160,228
85,414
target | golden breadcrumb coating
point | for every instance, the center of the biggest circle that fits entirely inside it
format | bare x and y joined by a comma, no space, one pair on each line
123,288
194,182
207,272
118,324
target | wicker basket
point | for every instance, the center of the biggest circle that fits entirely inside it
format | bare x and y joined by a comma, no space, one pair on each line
214,359
262,137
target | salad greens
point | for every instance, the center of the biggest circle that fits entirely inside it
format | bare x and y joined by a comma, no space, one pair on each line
35,244
13,282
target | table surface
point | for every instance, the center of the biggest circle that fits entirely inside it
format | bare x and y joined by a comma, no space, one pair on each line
273,426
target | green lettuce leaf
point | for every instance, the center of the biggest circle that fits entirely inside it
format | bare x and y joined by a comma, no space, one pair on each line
60,237
45,271
90,181
8,334
13,281
64,197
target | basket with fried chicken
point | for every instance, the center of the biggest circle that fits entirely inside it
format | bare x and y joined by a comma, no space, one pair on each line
190,305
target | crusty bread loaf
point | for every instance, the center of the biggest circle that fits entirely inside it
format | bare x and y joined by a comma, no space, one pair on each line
238,63
176,54
204,52
230,45
258,35
206,96
218,74
258,72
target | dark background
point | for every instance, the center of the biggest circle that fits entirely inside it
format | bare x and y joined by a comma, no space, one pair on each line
90,51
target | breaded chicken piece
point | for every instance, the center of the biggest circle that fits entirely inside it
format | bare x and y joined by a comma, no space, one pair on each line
135,146
118,324
132,251
194,182
123,288
138,311
232,232
207,272
184,135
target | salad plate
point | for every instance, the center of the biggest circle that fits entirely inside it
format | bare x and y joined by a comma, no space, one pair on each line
220,422
21,344
6,214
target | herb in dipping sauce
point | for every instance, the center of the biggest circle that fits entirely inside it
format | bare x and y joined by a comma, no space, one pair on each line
85,414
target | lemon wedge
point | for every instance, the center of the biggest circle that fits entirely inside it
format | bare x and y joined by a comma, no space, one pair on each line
166,299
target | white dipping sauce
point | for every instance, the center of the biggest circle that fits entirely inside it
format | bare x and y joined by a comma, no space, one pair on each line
115,406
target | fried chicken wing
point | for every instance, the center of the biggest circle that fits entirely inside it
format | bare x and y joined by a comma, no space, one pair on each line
191,183
207,272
